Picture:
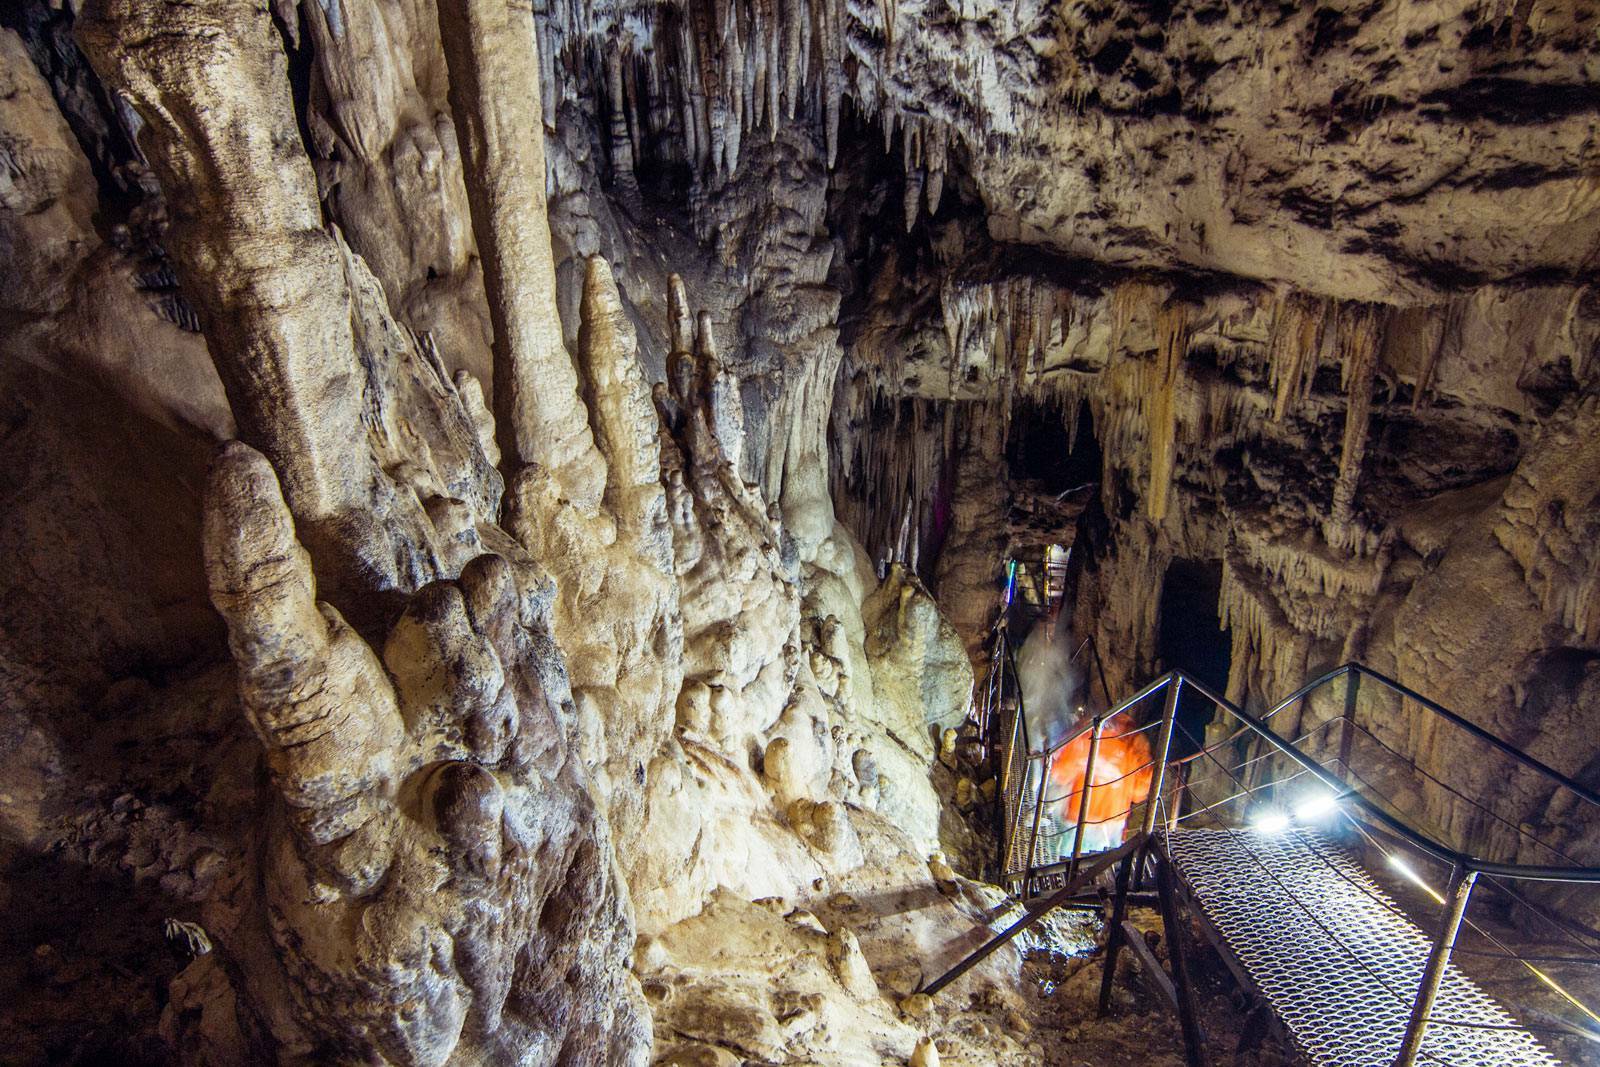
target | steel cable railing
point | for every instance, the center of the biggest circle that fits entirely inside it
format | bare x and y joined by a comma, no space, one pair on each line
1316,920
1433,779
1366,805
1499,873
1387,905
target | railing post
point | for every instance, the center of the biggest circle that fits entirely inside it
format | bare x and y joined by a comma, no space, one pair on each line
1455,908
1119,912
1347,728
1038,811
1004,816
1175,805
1083,799
1158,773
1194,1042
1007,820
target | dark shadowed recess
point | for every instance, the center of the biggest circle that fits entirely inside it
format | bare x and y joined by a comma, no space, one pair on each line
1190,639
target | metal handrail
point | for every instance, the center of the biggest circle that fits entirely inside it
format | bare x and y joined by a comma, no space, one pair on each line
1465,867
1413,836
1477,731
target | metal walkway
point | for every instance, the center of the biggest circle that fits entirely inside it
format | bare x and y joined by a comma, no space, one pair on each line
1236,825
1297,918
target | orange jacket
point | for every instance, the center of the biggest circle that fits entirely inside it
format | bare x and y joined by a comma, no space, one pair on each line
1122,774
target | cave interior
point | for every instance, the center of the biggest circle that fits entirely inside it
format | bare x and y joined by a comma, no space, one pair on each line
533,531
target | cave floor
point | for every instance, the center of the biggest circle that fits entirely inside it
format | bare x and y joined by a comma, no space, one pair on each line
1062,995
85,959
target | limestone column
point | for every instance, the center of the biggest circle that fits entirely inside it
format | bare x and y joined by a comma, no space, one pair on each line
492,52
211,89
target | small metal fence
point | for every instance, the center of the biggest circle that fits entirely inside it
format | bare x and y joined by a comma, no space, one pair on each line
1406,785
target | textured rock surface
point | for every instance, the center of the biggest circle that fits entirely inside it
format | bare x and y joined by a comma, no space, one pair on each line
598,398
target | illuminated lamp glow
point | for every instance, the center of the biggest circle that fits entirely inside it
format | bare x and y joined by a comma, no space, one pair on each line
1316,807
1270,822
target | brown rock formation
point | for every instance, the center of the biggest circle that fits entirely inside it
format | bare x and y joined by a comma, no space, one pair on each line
593,394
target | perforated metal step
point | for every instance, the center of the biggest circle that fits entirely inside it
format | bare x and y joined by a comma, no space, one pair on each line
1332,954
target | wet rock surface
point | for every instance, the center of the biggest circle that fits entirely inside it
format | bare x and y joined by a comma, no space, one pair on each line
504,506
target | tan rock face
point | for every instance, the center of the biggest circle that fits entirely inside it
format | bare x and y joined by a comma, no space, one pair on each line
463,708
572,358
431,809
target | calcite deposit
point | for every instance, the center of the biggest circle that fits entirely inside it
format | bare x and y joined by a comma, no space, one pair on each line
504,503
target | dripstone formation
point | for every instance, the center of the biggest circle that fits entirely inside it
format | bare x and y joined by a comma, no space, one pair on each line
503,502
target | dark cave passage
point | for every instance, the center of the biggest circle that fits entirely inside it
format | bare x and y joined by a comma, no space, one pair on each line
1190,640
1046,449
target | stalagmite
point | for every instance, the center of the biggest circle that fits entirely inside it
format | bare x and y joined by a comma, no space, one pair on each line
273,299
720,391
601,760
623,416
680,319
314,364
495,99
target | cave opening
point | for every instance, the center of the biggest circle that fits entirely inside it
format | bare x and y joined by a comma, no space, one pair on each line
1189,639
1048,450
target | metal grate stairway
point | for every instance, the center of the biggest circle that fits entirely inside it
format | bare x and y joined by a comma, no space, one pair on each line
1234,825
1301,921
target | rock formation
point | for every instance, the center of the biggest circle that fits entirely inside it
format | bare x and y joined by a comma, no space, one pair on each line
505,501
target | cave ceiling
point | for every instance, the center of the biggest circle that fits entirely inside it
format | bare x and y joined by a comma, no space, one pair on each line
614,417
1388,152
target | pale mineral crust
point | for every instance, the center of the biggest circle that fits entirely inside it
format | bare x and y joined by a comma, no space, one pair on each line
503,503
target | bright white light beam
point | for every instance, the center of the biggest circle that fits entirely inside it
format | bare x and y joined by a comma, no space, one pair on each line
1315,807
1412,876
1270,822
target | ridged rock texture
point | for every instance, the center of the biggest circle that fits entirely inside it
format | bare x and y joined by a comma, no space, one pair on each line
503,500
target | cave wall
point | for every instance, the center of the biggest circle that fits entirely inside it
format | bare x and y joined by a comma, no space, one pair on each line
728,419
1339,389
584,676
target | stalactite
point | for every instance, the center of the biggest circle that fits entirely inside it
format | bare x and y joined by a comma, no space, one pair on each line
548,102
696,143
1449,335
833,80
913,198
770,22
1126,299
733,95
1043,318
631,99
1172,341
1293,347
621,143
793,12
938,153
1359,330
